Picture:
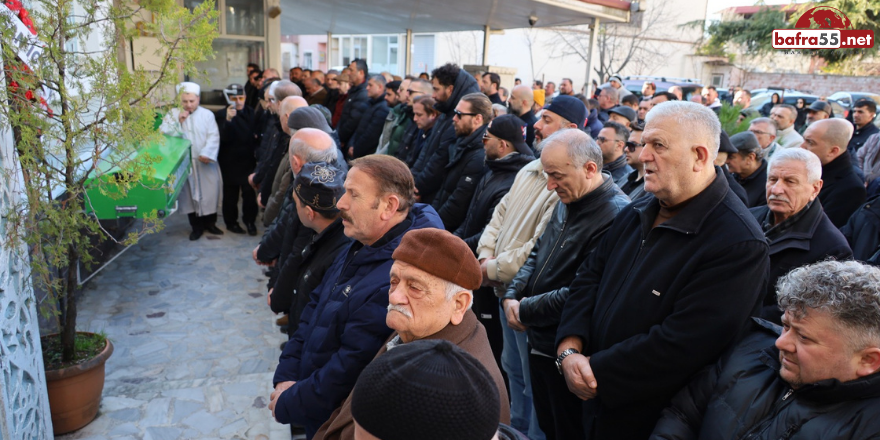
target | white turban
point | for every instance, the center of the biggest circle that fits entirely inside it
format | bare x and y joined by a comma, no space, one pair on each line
189,87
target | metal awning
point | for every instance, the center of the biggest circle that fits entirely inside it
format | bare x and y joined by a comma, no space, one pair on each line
311,17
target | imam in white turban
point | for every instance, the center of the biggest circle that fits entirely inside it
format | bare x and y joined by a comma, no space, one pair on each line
189,87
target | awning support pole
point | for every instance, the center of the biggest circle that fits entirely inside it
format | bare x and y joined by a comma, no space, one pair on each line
594,39
486,33
329,54
408,51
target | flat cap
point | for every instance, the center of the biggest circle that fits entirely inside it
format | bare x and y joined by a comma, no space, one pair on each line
441,254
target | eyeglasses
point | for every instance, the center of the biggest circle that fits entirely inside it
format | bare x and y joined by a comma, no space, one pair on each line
239,97
631,146
758,132
487,138
460,114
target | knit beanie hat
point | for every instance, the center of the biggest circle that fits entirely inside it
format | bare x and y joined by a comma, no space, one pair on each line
570,108
441,254
426,390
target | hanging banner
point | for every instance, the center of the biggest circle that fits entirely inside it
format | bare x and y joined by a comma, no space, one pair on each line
25,37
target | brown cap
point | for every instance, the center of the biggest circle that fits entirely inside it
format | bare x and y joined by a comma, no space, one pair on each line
343,78
441,254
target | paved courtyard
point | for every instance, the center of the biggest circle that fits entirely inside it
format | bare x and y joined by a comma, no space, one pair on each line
195,343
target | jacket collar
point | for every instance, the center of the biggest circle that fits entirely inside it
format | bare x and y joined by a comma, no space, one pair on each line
795,232
691,218
601,192
620,162
456,334
761,171
837,168
472,141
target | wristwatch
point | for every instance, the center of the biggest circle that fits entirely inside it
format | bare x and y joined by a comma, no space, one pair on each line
562,356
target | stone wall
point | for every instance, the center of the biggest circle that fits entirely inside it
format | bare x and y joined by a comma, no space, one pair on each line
822,85
24,405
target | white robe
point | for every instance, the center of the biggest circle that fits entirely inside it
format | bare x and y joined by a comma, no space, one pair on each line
201,194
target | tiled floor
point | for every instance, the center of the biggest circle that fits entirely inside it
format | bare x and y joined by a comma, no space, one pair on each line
195,343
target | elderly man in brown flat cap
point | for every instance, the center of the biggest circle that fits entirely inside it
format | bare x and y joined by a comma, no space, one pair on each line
432,282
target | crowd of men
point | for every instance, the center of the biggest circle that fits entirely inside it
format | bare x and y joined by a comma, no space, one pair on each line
456,260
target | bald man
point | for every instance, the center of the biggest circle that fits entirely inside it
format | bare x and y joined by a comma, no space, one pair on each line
843,191
275,192
521,102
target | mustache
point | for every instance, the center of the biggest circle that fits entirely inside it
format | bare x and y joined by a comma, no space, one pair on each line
780,198
345,216
396,308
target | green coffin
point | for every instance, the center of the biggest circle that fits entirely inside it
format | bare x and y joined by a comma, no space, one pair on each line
157,189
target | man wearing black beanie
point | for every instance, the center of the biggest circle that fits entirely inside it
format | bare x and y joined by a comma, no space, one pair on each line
427,389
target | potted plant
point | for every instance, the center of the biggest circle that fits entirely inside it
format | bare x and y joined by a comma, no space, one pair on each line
76,106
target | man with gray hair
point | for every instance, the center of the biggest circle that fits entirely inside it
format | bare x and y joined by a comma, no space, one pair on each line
533,302
609,97
749,167
765,130
670,285
843,191
816,377
795,224
786,135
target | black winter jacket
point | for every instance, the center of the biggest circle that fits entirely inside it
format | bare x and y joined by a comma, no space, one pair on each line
270,166
842,191
618,169
353,110
542,282
529,118
809,239
737,189
862,231
303,271
653,306
743,396
411,144
466,166
492,187
237,145
365,139
755,186
434,156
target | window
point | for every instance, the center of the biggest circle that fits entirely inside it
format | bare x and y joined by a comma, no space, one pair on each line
230,64
383,55
244,17
307,60
717,79
423,54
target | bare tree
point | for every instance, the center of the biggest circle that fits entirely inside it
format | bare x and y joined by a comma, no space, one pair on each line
464,47
638,46
532,39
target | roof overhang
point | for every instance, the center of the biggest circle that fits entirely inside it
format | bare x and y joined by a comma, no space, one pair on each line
310,17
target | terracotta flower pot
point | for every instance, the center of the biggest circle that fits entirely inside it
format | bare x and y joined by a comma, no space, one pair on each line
75,392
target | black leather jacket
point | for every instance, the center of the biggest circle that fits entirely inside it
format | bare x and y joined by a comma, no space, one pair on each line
542,282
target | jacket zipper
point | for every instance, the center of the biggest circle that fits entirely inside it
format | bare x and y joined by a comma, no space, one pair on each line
753,433
552,251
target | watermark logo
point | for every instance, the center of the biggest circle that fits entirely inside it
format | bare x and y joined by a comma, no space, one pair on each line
835,32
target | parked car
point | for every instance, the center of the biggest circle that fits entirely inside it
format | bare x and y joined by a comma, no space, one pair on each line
688,86
791,97
846,100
